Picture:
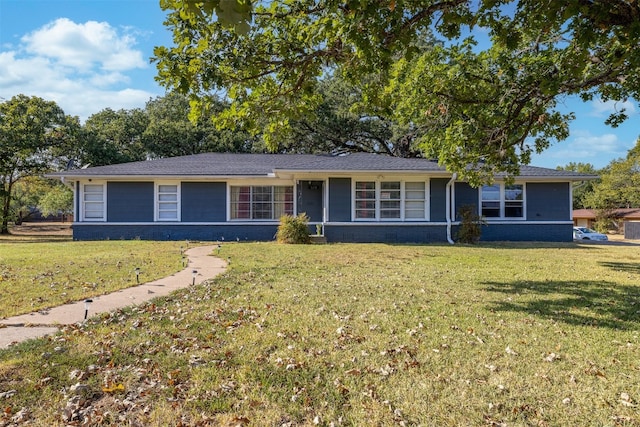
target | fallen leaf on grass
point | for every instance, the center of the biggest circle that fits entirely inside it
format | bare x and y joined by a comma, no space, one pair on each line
593,370
7,394
112,388
239,422
552,357
625,399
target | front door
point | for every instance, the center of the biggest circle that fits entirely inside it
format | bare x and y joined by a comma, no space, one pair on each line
310,199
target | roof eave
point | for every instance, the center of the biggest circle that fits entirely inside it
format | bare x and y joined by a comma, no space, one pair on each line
156,176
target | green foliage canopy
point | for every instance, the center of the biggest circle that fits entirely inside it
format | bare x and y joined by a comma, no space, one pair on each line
619,184
115,136
29,128
492,108
58,200
340,123
169,131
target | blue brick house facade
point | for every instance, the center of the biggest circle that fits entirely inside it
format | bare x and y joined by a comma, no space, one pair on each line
354,198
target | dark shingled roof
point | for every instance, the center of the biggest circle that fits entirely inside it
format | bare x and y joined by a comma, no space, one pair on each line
233,164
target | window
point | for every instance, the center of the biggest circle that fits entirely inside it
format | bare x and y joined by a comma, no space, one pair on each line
415,200
93,202
365,200
502,201
390,200
167,202
262,202
491,201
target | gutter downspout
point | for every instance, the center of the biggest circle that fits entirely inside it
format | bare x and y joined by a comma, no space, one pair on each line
448,203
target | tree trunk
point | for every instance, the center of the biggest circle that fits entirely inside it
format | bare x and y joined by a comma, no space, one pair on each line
6,205
5,216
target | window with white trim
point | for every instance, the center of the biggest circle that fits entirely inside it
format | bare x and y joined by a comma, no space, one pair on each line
502,201
261,202
415,200
390,200
167,202
93,202
365,200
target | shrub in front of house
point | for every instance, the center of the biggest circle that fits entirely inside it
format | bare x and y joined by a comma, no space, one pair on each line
470,225
294,229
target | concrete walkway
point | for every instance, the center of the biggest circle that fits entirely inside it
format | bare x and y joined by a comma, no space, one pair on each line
45,322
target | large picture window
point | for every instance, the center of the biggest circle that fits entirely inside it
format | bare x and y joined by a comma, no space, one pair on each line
390,200
167,202
93,202
261,202
502,201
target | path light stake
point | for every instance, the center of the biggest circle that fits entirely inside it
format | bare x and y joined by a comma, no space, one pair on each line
137,274
87,303
219,247
181,251
194,273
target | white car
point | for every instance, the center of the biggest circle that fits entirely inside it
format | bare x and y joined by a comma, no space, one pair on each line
584,233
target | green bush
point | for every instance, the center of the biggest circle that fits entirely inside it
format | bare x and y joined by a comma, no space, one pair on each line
470,225
293,229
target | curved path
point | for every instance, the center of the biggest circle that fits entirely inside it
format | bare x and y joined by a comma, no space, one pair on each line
35,325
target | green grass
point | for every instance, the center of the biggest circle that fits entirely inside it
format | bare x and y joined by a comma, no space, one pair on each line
516,335
35,276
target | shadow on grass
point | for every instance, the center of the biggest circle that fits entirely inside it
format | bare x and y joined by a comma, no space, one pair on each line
626,267
582,303
13,238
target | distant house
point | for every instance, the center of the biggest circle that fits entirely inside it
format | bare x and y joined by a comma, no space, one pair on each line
587,217
353,198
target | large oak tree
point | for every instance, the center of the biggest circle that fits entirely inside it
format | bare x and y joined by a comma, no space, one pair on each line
488,107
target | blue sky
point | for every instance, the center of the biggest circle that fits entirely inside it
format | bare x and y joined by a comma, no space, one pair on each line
88,55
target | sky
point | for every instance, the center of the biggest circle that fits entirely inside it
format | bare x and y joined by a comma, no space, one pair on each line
88,55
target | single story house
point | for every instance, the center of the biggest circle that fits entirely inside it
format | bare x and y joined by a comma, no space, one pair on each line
355,197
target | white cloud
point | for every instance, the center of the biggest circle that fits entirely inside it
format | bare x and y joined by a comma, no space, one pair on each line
586,147
83,67
83,46
604,109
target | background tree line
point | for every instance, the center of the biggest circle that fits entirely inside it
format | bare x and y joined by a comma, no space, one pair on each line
37,137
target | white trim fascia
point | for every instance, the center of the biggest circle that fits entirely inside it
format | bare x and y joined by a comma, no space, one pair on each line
272,182
319,175
388,223
196,178
161,223
546,179
341,223
522,222
571,202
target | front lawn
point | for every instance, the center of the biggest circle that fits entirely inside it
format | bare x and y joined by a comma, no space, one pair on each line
513,335
35,276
